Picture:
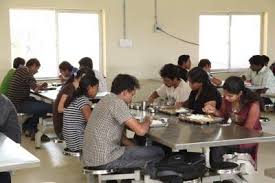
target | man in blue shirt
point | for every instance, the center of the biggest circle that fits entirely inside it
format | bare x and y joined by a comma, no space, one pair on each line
9,126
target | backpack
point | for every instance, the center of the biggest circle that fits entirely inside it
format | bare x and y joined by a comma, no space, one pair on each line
181,166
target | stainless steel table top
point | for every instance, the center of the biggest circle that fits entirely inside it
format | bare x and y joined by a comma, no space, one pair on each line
268,95
183,135
14,157
51,95
47,94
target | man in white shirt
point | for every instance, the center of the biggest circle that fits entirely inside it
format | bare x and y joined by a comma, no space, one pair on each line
261,75
174,89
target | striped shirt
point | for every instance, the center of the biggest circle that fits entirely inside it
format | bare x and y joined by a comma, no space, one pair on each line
20,85
102,138
74,123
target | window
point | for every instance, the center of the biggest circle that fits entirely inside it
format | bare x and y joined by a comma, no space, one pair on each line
228,41
55,36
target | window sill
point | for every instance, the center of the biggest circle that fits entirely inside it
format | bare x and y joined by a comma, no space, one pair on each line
47,79
216,71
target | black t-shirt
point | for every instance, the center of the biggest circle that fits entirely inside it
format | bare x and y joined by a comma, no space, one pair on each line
208,93
183,73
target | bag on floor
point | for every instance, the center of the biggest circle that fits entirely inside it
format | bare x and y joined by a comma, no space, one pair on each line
182,166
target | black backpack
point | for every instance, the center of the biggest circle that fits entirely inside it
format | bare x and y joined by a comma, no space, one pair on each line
181,166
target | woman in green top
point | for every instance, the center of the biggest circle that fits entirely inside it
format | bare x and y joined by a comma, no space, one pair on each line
17,62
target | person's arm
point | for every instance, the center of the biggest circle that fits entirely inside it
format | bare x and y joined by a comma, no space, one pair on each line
210,108
253,115
216,81
61,103
211,103
152,97
139,128
126,142
86,111
38,87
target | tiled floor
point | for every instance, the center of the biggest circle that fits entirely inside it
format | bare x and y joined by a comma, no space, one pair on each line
57,168
54,166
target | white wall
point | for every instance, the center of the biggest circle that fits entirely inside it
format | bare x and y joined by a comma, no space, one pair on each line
150,50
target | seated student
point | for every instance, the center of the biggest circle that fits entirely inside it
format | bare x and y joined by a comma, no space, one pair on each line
17,62
19,93
174,88
243,107
66,71
260,75
77,114
205,64
203,92
87,62
105,145
184,63
64,98
8,126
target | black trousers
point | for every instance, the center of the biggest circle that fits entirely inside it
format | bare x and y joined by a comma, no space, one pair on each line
5,177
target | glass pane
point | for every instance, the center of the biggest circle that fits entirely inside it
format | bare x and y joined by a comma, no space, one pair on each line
78,36
245,39
33,36
214,36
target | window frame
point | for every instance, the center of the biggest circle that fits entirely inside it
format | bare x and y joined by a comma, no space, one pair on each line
262,36
100,13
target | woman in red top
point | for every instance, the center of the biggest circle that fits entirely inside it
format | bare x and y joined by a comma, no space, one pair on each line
243,107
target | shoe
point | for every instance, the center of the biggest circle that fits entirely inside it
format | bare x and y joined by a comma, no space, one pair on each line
45,138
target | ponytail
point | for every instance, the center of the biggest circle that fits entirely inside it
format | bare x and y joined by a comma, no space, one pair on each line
79,74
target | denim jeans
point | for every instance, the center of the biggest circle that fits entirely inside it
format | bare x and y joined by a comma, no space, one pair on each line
36,108
138,157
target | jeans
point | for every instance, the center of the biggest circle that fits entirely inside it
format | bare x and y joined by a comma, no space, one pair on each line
36,108
138,157
141,141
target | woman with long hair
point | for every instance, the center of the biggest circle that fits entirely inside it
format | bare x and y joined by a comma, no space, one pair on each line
64,97
203,92
242,106
76,115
